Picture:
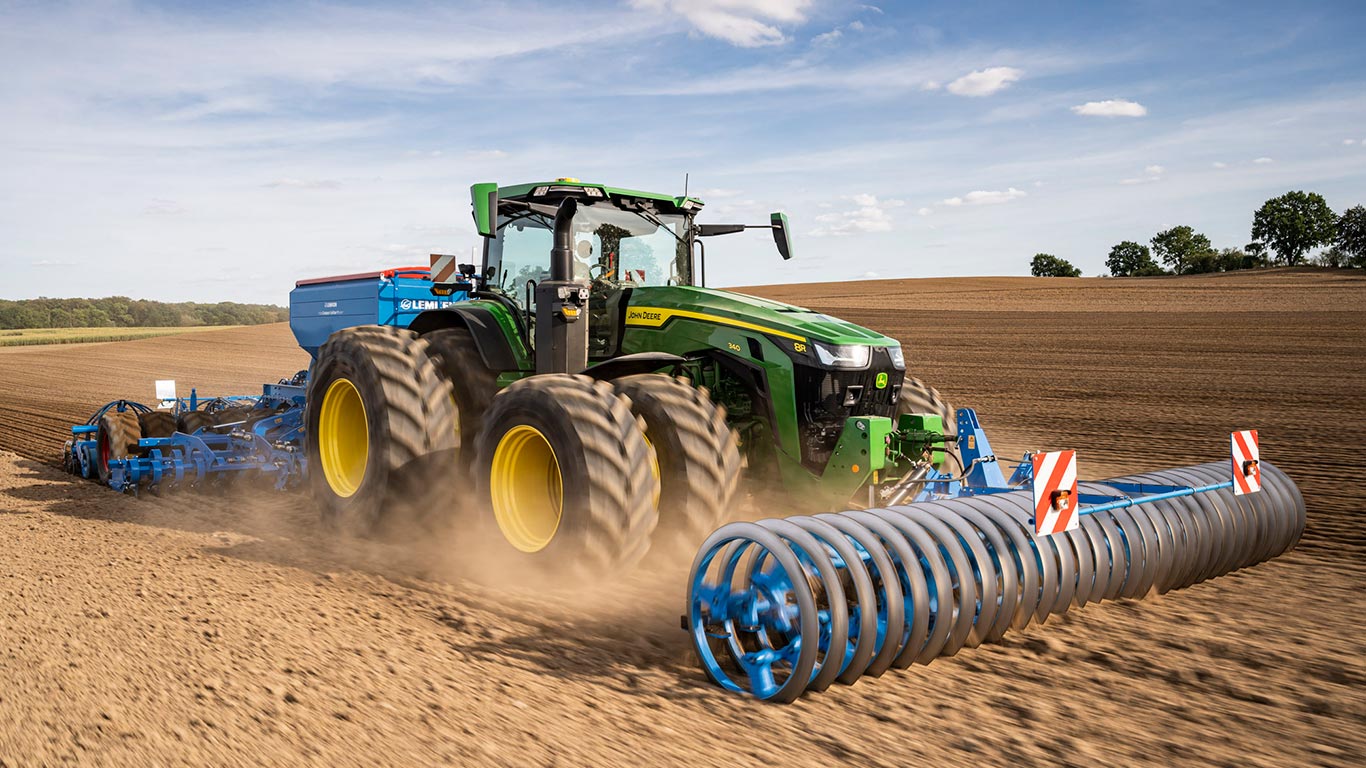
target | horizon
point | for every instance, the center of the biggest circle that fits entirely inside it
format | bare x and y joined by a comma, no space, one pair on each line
1305,269
905,141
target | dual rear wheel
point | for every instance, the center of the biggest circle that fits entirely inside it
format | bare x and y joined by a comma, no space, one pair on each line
556,476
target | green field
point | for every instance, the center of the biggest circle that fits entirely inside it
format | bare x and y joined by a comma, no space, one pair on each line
31,336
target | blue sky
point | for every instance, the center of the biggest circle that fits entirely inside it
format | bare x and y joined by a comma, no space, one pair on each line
192,151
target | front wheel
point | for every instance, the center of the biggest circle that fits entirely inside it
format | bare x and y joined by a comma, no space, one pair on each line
698,459
565,470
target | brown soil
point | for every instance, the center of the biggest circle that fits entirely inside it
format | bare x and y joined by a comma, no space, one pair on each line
198,629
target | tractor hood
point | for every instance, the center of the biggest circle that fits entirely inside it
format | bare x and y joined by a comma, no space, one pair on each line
657,303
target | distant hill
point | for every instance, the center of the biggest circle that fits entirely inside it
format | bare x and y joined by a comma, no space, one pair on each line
123,312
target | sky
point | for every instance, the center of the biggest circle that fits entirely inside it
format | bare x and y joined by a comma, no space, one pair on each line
220,151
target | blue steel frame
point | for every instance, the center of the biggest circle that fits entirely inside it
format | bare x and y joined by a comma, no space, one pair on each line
982,475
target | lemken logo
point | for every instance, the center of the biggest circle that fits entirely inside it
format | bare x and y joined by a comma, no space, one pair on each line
423,304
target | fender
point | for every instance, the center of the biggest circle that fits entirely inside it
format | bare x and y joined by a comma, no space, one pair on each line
496,332
628,365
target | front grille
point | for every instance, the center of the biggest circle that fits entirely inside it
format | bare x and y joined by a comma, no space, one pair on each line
826,398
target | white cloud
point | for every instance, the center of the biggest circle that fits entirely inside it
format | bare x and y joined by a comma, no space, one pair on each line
1111,108
1154,170
827,38
1349,142
986,197
924,211
869,215
985,82
744,23
834,35
1218,164
1263,161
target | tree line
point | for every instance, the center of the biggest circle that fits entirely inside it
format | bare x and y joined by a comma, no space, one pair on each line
123,312
1284,231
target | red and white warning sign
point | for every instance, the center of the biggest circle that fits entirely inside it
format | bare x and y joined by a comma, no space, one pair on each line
1247,473
1055,492
443,268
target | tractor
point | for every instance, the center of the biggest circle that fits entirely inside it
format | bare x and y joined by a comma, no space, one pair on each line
599,399
581,399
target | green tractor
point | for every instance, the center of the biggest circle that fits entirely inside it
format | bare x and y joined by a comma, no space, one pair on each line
602,402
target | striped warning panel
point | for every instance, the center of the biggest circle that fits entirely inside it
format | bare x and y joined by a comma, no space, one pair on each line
1055,492
443,268
1247,474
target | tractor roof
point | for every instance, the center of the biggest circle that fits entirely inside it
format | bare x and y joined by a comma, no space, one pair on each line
517,191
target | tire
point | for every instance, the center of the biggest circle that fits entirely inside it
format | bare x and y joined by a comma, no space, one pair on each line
564,472
191,422
157,424
116,438
375,387
918,397
230,415
472,384
697,455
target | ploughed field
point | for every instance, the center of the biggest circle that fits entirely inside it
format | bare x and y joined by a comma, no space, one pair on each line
230,630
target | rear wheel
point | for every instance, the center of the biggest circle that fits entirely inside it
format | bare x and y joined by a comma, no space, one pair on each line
377,411
697,456
918,397
473,386
566,471
117,438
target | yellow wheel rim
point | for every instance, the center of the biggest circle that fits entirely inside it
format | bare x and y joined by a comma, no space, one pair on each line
343,438
654,470
527,489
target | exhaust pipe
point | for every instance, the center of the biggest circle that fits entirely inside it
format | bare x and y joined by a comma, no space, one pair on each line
562,303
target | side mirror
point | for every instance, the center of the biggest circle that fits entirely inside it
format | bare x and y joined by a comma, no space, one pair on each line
782,237
484,198
712,230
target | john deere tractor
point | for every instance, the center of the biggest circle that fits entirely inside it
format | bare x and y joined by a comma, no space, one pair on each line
598,399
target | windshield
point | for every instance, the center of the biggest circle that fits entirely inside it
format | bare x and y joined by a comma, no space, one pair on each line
611,245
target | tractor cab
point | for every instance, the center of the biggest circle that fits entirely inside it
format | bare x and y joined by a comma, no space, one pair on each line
619,241
618,236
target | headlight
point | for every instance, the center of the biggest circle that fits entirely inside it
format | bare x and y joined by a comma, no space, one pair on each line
898,359
843,355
